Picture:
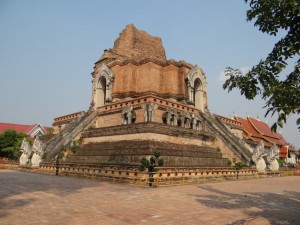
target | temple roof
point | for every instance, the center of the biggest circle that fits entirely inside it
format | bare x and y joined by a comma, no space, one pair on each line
248,128
257,130
26,129
262,128
17,127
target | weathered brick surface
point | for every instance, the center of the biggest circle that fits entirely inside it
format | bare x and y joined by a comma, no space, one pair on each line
131,152
150,77
183,135
137,44
110,114
138,62
135,71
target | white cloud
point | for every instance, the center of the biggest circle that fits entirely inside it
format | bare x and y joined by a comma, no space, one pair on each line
222,77
244,69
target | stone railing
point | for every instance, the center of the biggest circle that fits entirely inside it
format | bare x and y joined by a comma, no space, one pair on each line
59,141
63,119
8,164
180,176
229,121
164,176
116,174
147,98
229,139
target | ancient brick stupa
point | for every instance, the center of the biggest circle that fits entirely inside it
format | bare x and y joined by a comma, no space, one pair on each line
142,102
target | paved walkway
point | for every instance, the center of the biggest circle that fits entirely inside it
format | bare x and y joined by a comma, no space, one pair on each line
27,198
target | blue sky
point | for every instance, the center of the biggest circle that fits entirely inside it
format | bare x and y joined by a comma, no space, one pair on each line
48,50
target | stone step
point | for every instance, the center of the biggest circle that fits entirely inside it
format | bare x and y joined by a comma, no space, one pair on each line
131,153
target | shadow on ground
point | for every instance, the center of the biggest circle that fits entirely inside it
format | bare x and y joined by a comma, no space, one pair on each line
277,208
16,188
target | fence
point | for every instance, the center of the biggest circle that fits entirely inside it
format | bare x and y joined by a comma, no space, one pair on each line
164,176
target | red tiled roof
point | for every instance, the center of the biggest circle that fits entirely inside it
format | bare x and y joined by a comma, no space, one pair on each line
262,127
17,127
281,138
248,128
257,130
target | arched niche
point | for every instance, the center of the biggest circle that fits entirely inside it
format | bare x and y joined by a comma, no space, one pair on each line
102,86
196,88
198,94
101,92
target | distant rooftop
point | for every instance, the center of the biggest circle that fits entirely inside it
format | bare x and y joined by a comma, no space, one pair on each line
30,130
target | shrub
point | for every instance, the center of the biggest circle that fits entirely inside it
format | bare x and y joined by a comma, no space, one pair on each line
152,160
156,154
161,162
240,165
281,162
229,162
144,164
152,163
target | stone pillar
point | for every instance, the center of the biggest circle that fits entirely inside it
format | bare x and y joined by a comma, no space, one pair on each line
108,93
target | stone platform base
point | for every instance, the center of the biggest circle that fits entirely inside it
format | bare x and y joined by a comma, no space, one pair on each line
164,176
131,152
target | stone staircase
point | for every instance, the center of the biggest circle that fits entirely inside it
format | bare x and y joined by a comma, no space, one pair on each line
130,152
236,144
63,138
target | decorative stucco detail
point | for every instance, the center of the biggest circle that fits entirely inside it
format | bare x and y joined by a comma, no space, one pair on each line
257,157
26,150
102,92
38,151
197,88
272,154
149,111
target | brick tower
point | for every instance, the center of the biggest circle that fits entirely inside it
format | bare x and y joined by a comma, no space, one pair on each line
144,102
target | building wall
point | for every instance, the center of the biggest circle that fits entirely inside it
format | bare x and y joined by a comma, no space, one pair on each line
150,77
148,136
225,150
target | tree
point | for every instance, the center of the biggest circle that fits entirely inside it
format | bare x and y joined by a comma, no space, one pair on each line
282,96
10,143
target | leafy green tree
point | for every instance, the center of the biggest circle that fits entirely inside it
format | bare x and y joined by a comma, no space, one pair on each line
10,143
282,95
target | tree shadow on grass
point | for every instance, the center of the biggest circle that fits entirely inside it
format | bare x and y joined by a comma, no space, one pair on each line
18,189
281,208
